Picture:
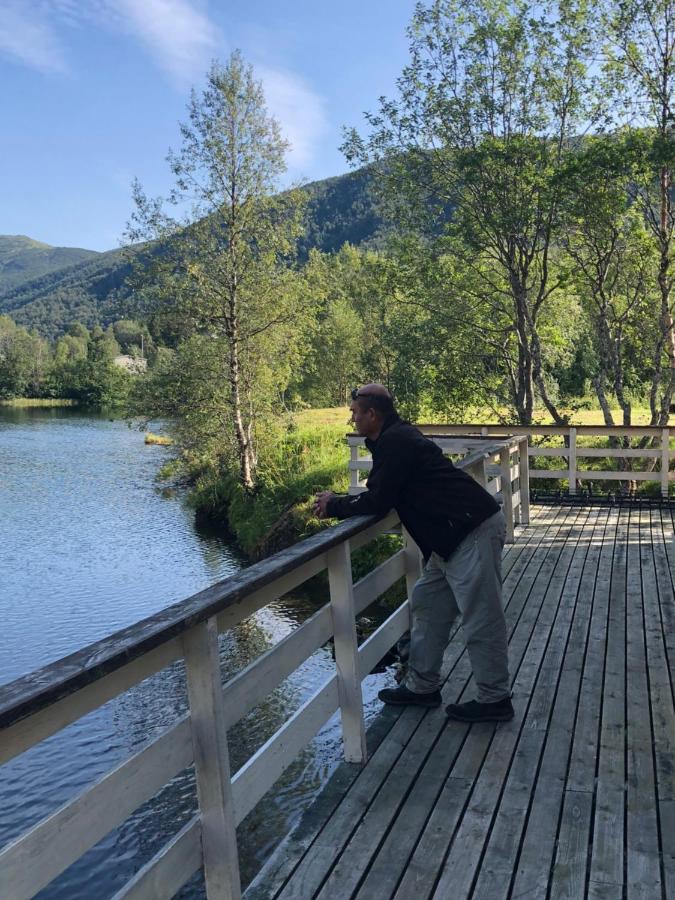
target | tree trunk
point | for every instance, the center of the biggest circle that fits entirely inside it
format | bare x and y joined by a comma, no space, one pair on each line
664,377
524,396
244,449
598,384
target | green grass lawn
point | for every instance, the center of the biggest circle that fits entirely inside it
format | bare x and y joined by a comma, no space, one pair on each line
334,415
339,415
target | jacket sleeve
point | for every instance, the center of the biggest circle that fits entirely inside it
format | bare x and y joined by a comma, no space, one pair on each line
385,483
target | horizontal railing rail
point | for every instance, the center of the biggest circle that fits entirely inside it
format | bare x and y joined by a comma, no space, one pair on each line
572,451
501,466
42,703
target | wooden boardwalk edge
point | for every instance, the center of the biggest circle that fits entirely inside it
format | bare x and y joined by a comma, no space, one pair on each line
573,799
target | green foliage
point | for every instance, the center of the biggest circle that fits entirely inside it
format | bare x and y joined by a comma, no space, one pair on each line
344,210
79,367
95,291
226,278
333,362
24,360
294,463
485,118
134,338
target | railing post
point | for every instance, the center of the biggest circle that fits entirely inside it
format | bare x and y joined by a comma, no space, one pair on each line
212,762
524,480
665,460
572,477
479,472
413,562
507,491
354,472
347,653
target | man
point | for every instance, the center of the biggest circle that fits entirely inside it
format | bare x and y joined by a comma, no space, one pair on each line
460,530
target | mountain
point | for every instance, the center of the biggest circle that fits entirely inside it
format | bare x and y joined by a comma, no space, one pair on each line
93,290
343,210
22,259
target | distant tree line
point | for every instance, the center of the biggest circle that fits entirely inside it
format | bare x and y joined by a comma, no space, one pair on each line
79,365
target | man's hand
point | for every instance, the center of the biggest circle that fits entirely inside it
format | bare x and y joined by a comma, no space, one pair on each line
321,502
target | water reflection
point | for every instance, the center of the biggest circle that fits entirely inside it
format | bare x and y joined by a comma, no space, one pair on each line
91,544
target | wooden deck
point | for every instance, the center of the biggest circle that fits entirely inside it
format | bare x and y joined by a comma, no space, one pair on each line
576,796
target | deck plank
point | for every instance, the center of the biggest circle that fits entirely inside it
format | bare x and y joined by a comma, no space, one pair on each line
573,799
571,861
643,863
320,856
667,817
607,856
659,622
551,716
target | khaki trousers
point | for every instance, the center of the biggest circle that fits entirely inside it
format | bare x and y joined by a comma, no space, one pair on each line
469,584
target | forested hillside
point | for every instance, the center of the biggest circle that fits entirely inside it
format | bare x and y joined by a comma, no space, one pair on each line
343,210
23,259
94,292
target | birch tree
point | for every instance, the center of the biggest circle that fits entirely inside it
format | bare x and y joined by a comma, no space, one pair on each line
613,264
488,108
641,54
223,272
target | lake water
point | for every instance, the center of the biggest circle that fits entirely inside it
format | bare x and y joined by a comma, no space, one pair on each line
90,542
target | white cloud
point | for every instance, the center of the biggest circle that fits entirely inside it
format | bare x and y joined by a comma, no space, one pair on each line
179,35
299,110
27,36
181,38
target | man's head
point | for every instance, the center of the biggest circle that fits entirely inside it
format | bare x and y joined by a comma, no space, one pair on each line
370,406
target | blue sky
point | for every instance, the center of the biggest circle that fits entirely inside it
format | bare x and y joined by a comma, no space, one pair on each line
93,90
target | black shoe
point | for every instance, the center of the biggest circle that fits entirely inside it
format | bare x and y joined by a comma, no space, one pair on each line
473,711
401,696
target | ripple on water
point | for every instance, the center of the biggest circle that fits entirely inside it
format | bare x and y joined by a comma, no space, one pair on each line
91,544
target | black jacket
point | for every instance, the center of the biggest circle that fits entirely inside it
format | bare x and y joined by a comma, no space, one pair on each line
438,503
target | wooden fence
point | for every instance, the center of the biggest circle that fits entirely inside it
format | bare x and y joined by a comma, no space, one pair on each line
657,451
480,456
42,703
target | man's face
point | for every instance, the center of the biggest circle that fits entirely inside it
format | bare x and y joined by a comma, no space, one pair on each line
363,419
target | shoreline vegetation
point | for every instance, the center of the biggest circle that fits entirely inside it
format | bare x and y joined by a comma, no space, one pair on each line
160,439
39,401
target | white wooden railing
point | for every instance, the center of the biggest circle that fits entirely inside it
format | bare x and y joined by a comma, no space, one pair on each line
486,460
46,701
572,452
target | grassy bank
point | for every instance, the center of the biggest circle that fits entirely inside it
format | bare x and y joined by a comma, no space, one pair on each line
160,439
299,461
26,401
641,416
303,457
